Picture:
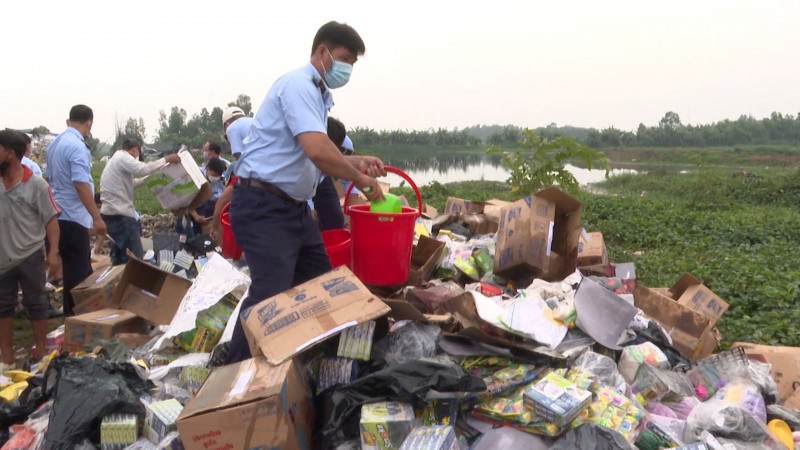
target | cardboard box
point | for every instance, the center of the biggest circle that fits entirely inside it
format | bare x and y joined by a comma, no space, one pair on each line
692,293
425,256
430,212
103,324
538,236
177,186
693,333
132,340
385,425
251,404
460,206
149,292
592,250
97,291
100,262
785,363
493,209
793,402
290,322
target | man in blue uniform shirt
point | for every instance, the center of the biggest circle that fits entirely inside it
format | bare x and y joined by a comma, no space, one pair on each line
285,152
69,172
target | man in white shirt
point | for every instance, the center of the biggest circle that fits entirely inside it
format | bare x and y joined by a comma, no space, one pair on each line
122,174
26,160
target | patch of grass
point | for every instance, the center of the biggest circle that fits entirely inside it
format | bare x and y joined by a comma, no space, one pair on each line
740,155
144,200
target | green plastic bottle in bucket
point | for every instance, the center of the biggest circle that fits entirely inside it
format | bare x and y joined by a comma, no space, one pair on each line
389,205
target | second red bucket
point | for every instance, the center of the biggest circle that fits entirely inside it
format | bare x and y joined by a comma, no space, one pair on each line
381,243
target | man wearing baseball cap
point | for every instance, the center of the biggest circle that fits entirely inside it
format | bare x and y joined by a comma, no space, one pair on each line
235,125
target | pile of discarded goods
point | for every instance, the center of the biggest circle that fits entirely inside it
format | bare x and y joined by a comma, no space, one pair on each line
508,328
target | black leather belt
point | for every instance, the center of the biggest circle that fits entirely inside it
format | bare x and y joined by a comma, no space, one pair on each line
249,182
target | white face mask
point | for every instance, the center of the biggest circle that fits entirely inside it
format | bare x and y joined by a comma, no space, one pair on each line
213,179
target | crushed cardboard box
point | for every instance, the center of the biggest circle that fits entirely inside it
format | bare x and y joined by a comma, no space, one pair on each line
460,206
149,292
290,322
689,320
538,236
425,256
252,404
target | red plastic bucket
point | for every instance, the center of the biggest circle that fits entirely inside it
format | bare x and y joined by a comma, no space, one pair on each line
381,243
230,249
337,246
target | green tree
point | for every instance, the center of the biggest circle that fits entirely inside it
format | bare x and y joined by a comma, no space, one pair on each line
540,162
133,129
243,101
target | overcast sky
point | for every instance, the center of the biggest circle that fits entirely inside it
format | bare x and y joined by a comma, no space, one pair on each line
428,64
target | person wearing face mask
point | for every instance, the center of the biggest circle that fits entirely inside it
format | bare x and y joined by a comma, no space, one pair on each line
285,152
123,173
214,171
28,214
69,172
211,151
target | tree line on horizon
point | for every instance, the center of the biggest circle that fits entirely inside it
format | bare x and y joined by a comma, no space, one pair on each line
176,128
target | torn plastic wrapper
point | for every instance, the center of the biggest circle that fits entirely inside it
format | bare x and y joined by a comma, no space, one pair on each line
407,341
729,422
403,382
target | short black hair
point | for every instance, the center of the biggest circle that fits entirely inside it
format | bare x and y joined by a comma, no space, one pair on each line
80,114
215,146
27,138
335,34
336,131
130,144
13,140
216,165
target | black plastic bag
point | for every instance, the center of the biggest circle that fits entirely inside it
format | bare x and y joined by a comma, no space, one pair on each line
86,390
408,341
402,383
589,436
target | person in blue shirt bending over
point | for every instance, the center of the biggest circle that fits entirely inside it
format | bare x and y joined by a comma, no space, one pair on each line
285,152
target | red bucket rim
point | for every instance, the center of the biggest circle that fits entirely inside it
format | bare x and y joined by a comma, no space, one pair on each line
363,210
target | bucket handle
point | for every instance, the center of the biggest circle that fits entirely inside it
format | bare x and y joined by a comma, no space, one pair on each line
395,171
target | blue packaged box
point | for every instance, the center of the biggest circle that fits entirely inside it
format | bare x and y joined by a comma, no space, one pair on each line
556,399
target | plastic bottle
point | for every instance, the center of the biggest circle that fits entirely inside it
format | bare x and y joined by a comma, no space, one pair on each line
389,205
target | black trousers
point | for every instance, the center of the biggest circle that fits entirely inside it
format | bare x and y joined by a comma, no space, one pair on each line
283,247
326,203
76,258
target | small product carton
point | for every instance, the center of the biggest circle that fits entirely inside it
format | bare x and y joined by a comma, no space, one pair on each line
557,399
431,438
118,431
385,425
161,418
